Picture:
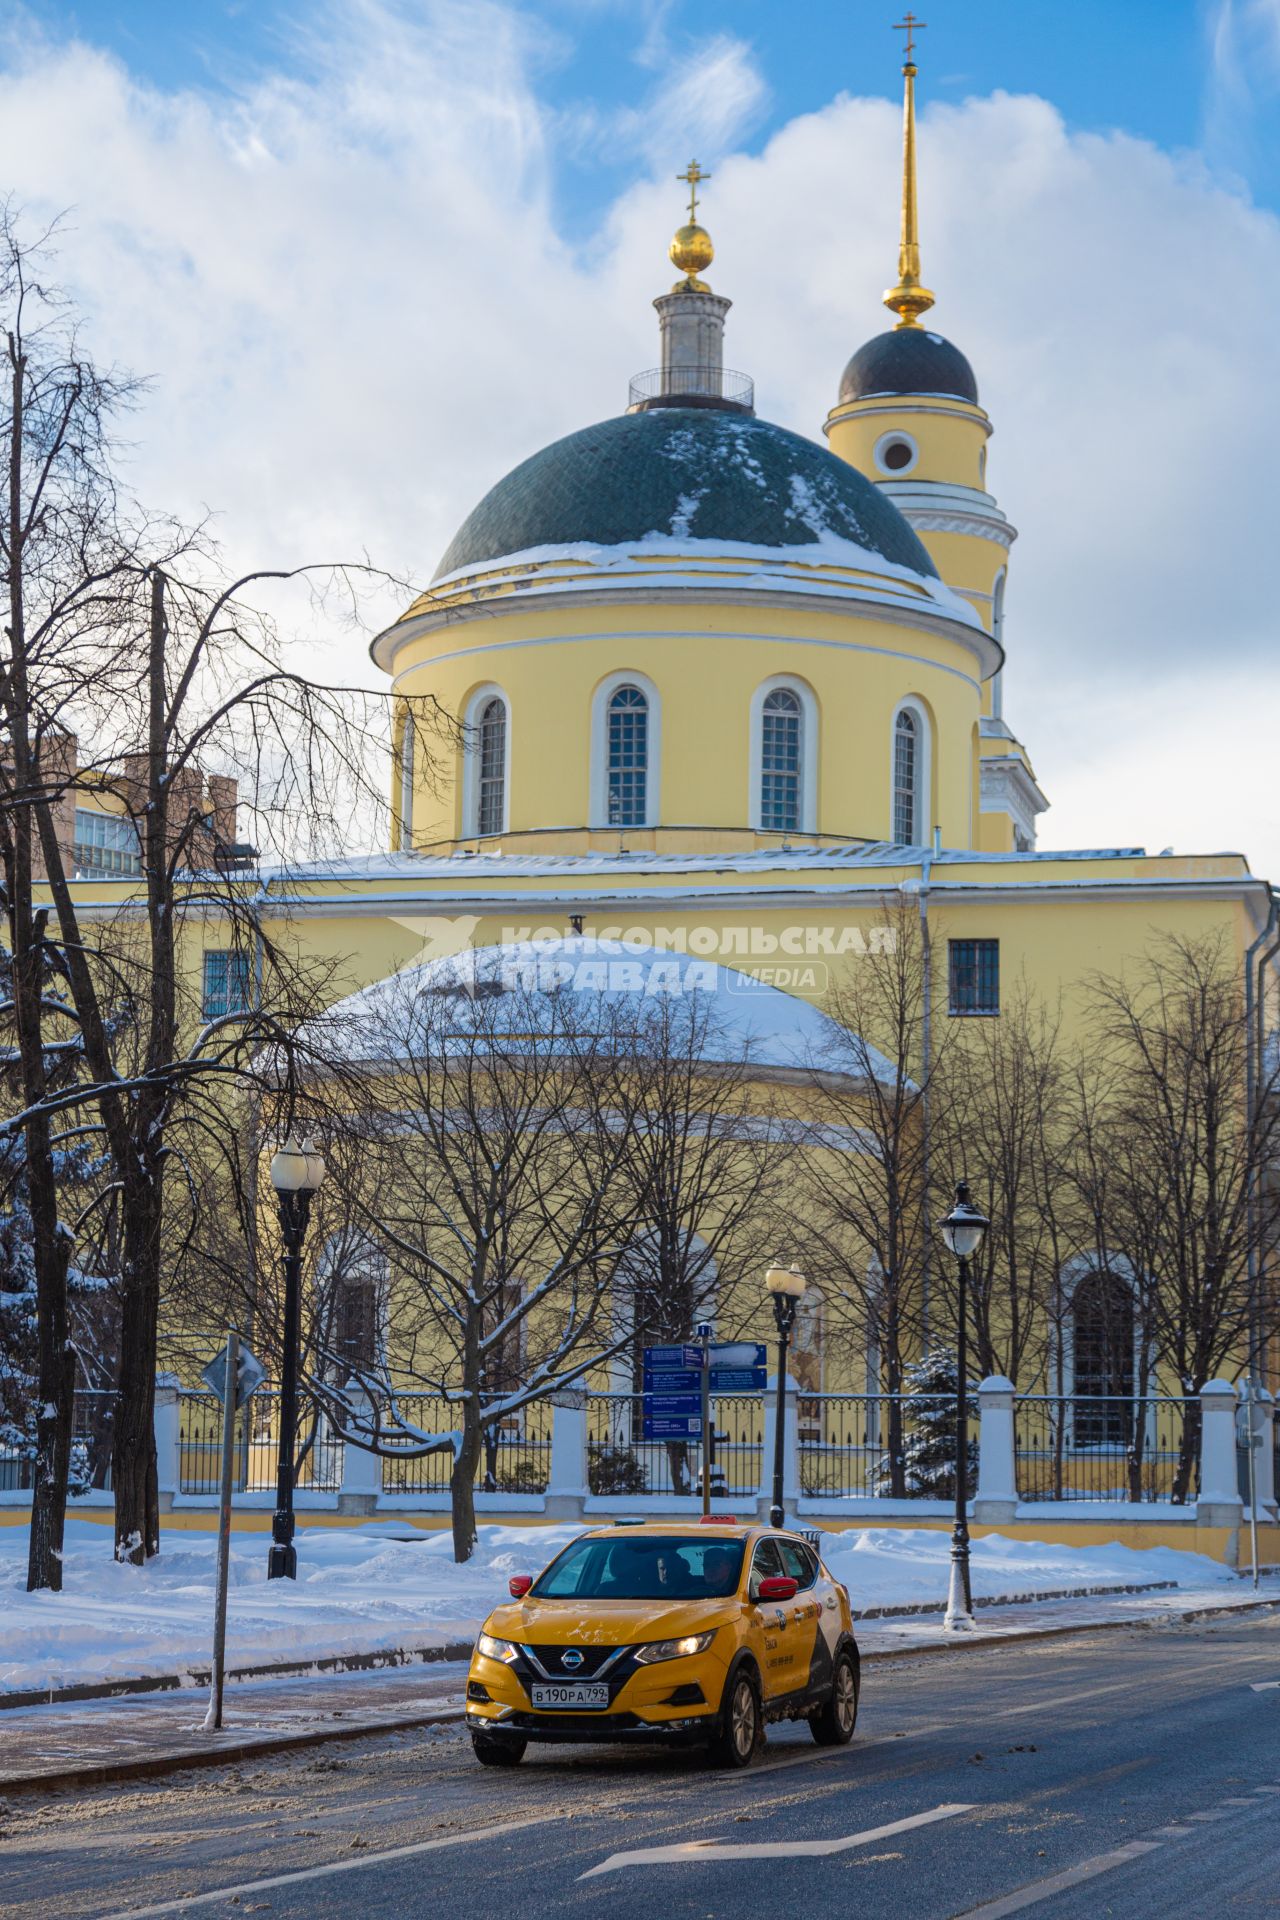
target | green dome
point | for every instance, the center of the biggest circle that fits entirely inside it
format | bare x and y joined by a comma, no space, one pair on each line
688,473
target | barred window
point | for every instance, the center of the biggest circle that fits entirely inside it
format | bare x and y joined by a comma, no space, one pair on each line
105,844
226,984
780,766
975,976
491,809
1102,1338
628,743
906,778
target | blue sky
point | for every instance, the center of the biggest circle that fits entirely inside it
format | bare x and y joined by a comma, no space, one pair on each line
1143,66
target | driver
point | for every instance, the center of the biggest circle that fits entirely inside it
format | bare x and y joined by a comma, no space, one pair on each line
717,1570
673,1573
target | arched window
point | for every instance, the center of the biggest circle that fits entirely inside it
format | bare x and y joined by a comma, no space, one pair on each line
404,809
491,809
907,758
997,629
781,766
352,1281
1102,1344
628,757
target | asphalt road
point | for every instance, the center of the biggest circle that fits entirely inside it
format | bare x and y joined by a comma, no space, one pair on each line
1133,1773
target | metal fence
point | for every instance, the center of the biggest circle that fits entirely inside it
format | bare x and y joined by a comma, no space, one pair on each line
1069,1447
515,1458
866,1446
621,1461
92,1422
317,1456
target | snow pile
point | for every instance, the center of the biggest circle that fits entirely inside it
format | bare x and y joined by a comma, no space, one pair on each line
897,1566
362,1590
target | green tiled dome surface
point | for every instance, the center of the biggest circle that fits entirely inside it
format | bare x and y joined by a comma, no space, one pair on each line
696,473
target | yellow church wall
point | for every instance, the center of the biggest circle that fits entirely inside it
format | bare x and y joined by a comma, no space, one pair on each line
706,663
970,564
949,434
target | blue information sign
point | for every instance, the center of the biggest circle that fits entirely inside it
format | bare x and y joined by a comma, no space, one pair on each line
673,1383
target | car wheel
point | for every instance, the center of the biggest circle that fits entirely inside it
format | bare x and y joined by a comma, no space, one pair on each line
739,1734
833,1724
497,1753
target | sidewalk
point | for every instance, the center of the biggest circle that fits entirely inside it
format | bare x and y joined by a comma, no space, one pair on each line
91,1743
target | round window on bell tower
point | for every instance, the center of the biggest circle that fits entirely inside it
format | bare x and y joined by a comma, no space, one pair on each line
896,453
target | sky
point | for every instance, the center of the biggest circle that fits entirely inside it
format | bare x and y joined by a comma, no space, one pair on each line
374,252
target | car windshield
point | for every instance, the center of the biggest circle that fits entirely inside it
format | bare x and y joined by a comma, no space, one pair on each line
649,1568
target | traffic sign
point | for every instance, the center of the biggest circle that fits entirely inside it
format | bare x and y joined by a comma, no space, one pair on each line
250,1374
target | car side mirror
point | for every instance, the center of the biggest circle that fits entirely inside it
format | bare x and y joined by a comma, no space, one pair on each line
777,1586
519,1584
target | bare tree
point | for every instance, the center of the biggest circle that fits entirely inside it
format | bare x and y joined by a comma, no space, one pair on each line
495,1129
121,632
1174,1161
1005,1128
865,1183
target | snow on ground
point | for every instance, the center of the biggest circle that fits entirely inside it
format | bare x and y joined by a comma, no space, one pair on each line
361,1590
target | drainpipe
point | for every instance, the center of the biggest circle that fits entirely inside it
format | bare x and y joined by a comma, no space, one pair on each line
926,1057
1256,961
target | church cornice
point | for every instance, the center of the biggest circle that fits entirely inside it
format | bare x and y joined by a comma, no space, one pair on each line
987,654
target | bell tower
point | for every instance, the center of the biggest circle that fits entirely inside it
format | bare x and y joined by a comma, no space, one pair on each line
908,417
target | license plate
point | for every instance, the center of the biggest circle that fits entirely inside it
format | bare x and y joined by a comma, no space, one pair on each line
577,1696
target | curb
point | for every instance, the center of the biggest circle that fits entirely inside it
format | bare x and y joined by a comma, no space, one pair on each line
1059,1632
110,1772
195,1677
928,1607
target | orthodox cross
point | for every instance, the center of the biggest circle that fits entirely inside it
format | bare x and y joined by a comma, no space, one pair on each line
693,174
908,26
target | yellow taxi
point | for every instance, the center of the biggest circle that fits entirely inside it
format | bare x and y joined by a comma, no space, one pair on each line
695,1634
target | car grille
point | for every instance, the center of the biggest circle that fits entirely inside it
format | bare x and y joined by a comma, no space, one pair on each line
551,1660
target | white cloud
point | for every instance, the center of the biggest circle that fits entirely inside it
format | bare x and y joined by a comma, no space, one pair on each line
349,284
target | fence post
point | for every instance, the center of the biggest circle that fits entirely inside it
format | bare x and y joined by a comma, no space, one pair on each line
361,1470
997,1495
1219,1503
790,1446
166,1423
1265,1466
567,1478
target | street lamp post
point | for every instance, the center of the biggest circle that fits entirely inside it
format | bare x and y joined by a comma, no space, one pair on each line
786,1285
297,1170
962,1230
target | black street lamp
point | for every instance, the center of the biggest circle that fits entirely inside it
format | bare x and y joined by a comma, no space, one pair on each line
297,1170
962,1231
786,1285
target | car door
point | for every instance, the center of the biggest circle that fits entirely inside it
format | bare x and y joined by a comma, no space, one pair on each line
815,1613
782,1642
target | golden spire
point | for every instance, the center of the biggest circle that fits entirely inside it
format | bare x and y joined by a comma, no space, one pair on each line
691,249
909,299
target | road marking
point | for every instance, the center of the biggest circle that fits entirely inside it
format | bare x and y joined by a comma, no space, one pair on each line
1065,1699
186,1901
780,1765
1059,1882
1263,1686
700,1852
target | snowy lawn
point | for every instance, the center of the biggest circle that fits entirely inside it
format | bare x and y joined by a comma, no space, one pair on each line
360,1591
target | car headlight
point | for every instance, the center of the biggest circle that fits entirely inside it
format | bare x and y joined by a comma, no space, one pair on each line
674,1649
496,1649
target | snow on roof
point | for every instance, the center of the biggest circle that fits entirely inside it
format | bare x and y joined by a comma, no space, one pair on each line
739,1016
827,565
503,864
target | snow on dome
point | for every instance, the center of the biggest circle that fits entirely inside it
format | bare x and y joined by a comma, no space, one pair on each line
509,988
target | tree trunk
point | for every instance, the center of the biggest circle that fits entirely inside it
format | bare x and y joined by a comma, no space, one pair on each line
134,1477
56,1374
462,1484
